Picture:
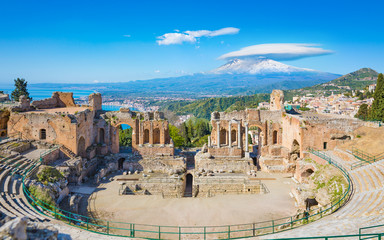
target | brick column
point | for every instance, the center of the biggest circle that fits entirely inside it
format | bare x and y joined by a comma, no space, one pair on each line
246,138
150,133
239,134
230,134
218,134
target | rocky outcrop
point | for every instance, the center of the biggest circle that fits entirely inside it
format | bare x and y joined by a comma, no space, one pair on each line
15,229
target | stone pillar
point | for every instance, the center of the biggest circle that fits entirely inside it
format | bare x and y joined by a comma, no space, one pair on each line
209,141
246,138
230,134
218,134
239,134
141,133
151,133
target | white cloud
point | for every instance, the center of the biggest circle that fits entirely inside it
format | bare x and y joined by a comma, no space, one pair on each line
193,36
157,71
127,35
278,51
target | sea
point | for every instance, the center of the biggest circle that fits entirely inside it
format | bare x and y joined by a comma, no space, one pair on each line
41,93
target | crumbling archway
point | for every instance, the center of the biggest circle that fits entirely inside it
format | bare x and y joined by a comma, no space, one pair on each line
295,148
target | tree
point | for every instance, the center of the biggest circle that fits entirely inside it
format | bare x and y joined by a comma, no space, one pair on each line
363,112
20,89
125,137
377,109
174,133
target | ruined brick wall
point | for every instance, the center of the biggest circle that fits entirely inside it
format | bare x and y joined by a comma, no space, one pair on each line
59,129
58,99
327,133
277,100
95,101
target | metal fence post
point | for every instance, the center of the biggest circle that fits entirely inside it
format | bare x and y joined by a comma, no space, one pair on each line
273,226
205,232
229,232
159,232
87,222
291,223
254,229
321,213
108,227
179,233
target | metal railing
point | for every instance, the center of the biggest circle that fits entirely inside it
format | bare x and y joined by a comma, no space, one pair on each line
366,158
114,228
371,228
378,236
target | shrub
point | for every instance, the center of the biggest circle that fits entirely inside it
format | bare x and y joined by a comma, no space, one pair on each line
49,174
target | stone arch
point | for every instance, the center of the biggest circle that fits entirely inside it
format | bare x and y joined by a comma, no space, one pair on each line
81,147
274,138
146,136
223,136
308,172
43,134
156,136
101,136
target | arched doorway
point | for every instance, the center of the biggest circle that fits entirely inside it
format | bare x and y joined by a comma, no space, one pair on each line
146,136
156,136
233,136
81,147
275,137
101,135
223,136
188,185
120,163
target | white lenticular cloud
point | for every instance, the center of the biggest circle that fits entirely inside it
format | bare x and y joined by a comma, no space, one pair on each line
193,36
278,51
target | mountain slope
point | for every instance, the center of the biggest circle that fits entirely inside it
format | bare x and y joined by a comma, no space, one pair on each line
356,80
238,77
257,66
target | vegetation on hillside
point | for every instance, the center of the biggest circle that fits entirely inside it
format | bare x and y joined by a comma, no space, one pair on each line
204,107
357,80
192,133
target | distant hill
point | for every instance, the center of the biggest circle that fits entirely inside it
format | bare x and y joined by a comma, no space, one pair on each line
204,107
356,80
237,77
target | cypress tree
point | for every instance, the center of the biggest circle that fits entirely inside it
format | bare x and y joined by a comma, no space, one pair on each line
20,89
377,109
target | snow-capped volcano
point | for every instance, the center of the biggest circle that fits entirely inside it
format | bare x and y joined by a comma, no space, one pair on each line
257,66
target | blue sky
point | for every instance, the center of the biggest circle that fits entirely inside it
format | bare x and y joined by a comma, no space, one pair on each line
109,41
